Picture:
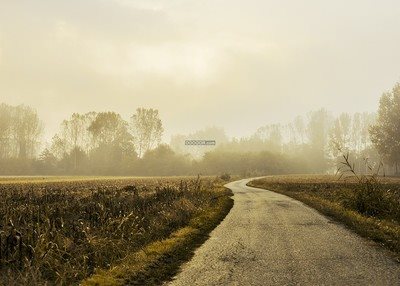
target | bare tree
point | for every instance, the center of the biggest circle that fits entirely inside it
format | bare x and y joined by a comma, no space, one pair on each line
147,129
74,137
5,131
339,134
271,136
300,128
385,134
20,131
318,129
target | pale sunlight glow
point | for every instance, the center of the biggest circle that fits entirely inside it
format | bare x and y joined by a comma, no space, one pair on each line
245,57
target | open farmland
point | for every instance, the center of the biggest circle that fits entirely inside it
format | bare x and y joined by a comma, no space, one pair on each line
370,207
62,231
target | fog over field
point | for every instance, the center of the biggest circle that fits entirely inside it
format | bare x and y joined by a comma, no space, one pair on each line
116,87
199,142
238,65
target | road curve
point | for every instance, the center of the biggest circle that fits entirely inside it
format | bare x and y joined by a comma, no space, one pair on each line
271,239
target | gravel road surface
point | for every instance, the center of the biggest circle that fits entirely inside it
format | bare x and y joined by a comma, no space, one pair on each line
271,239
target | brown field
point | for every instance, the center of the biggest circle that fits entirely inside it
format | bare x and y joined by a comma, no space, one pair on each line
61,230
70,179
321,179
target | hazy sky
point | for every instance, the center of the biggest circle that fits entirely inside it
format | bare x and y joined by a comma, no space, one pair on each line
235,64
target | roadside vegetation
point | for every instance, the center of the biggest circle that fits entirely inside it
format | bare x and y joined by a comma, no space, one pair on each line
366,204
108,231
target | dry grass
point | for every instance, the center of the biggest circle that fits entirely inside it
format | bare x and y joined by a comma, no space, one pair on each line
69,179
159,261
372,211
63,231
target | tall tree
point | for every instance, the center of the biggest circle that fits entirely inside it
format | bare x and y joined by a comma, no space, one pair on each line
74,130
271,135
356,132
385,134
339,134
20,131
317,130
300,127
113,143
74,137
29,129
5,131
367,120
108,128
147,129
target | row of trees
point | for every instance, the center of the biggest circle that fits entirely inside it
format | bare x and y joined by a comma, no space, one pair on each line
314,139
104,143
94,142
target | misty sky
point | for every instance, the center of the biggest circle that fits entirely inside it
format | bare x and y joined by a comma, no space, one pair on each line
235,64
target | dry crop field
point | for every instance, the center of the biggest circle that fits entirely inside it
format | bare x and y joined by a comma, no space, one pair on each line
63,230
370,207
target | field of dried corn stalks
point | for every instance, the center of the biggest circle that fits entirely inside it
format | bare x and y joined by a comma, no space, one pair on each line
62,232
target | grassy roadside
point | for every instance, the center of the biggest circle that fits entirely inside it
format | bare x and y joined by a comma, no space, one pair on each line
159,261
338,199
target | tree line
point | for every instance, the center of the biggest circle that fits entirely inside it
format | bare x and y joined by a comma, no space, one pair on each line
90,143
309,143
104,143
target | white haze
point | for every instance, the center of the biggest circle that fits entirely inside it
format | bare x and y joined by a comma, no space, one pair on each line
235,64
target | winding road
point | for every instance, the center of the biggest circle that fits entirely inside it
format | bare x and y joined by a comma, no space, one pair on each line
271,239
